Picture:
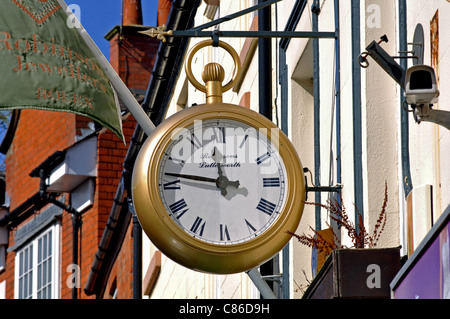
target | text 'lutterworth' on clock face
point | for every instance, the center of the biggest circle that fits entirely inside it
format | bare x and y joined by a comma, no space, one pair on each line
222,181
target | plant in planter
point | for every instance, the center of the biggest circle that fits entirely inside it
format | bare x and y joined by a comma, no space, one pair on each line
358,235
358,271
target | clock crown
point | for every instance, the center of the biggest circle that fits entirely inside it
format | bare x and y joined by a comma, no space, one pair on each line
213,75
213,72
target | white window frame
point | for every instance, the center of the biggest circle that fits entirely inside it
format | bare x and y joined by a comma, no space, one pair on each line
39,260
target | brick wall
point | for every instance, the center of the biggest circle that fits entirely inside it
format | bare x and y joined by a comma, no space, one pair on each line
39,134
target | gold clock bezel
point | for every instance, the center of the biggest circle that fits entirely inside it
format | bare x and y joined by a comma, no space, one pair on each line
187,250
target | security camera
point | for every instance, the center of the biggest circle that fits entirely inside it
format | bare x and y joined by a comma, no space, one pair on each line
420,85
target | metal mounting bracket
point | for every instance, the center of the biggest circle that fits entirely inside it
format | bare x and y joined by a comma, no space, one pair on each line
314,188
425,113
384,60
196,32
327,189
161,34
388,63
277,278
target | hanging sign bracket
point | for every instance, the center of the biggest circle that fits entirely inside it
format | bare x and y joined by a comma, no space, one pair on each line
196,32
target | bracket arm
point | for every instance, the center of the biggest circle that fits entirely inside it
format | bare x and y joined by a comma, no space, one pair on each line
426,114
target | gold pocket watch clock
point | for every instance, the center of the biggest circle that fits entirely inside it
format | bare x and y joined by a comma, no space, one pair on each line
217,186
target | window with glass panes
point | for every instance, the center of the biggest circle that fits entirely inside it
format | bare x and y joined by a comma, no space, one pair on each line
36,267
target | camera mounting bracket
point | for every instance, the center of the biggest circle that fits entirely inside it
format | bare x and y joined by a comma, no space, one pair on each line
425,113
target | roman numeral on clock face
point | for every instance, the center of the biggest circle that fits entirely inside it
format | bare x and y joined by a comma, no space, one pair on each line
243,141
266,207
263,158
224,234
172,185
219,134
176,160
271,182
195,141
177,207
198,227
250,227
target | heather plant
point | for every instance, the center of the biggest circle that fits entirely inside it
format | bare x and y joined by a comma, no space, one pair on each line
359,236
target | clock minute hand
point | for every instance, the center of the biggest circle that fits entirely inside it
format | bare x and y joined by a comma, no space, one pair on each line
224,180
193,177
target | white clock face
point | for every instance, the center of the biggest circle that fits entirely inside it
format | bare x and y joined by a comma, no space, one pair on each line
222,181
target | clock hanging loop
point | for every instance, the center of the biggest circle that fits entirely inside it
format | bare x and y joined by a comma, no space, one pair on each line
213,73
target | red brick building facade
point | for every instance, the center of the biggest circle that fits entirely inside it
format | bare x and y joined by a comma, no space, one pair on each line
38,135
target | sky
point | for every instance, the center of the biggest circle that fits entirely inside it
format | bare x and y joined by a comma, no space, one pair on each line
98,17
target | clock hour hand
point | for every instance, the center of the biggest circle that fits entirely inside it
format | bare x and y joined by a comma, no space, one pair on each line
217,157
219,168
